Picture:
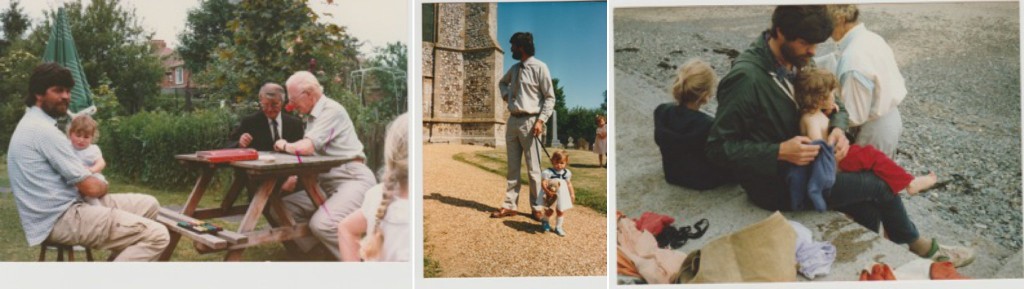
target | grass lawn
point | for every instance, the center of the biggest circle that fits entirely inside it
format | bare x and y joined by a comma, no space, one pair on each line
4,182
14,247
589,179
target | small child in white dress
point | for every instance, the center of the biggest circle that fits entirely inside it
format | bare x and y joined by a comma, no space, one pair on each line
83,131
558,191
601,140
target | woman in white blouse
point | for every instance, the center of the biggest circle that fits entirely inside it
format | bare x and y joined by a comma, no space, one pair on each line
385,214
871,85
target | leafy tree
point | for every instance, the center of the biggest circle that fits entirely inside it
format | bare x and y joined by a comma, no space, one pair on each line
393,55
580,123
271,39
15,22
560,109
604,104
383,89
15,68
113,45
388,73
205,31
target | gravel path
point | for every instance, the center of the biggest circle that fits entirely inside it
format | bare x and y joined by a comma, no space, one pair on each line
961,117
461,237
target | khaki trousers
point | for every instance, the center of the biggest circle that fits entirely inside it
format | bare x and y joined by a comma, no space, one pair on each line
519,141
344,187
122,223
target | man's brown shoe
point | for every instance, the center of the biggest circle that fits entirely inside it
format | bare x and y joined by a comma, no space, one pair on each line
503,212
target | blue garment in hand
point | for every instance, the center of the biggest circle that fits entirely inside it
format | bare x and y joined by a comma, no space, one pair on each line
813,181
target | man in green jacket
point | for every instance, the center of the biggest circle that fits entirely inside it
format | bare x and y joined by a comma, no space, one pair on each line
756,133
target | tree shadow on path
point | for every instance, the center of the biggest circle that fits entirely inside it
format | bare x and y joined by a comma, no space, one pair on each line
460,202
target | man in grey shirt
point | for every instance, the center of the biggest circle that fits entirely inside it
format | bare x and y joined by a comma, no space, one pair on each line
527,89
49,183
329,132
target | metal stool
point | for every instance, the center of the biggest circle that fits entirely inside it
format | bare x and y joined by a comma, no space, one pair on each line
60,252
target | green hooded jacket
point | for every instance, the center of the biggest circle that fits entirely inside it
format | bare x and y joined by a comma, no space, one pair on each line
755,114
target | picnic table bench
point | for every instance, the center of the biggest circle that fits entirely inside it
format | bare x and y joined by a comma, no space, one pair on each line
262,180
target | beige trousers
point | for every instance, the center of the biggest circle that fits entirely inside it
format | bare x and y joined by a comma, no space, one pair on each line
122,223
344,186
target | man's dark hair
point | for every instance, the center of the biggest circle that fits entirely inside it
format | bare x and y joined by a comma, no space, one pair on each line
43,77
524,40
808,22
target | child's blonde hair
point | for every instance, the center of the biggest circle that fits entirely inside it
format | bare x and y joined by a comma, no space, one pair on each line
812,86
84,125
560,155
395,179
695,81
600,118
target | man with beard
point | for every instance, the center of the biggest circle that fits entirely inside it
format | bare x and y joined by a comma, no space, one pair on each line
756,133
49,183
527,89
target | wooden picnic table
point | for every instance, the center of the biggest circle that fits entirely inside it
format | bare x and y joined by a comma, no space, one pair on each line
263,180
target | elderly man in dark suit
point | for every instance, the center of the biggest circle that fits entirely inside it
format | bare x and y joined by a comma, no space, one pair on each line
261,129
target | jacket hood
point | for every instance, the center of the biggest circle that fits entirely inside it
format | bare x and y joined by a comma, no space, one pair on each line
758,54
690,135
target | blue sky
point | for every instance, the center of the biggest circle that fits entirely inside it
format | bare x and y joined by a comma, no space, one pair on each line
571,37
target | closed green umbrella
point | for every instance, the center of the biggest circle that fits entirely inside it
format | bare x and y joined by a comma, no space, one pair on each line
60,48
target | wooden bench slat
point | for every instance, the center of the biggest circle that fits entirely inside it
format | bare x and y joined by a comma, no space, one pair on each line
231,237
263,237
205,239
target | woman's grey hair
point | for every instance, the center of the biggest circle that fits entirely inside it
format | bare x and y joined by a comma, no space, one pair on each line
847,13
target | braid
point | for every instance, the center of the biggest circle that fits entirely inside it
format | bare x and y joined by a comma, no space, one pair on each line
370,248
394,180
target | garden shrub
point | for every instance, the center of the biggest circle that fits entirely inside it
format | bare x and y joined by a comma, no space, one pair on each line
10,115
141,147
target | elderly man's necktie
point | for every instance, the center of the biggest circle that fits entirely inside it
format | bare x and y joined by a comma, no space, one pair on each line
273,127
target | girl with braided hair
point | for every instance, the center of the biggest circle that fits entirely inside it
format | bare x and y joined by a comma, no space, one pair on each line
383,224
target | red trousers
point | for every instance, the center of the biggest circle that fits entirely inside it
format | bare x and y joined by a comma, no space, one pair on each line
867,158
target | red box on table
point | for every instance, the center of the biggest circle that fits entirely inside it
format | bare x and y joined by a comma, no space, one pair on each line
228,155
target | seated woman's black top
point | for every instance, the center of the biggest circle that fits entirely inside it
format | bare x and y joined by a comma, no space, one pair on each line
681,134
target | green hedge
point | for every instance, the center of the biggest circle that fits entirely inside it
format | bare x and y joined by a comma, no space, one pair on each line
10,115
141,147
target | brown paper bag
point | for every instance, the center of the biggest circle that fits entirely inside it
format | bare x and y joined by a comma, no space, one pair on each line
762,252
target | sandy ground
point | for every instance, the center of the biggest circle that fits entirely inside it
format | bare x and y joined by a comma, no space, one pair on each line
961,118
466,242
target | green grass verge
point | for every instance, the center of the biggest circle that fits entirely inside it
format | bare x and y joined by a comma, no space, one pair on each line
431,268
589,179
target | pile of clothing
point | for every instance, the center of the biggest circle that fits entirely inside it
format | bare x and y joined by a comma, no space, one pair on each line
645,246
771,250
668,236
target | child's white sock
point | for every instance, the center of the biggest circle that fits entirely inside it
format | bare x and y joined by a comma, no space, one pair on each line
559,221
